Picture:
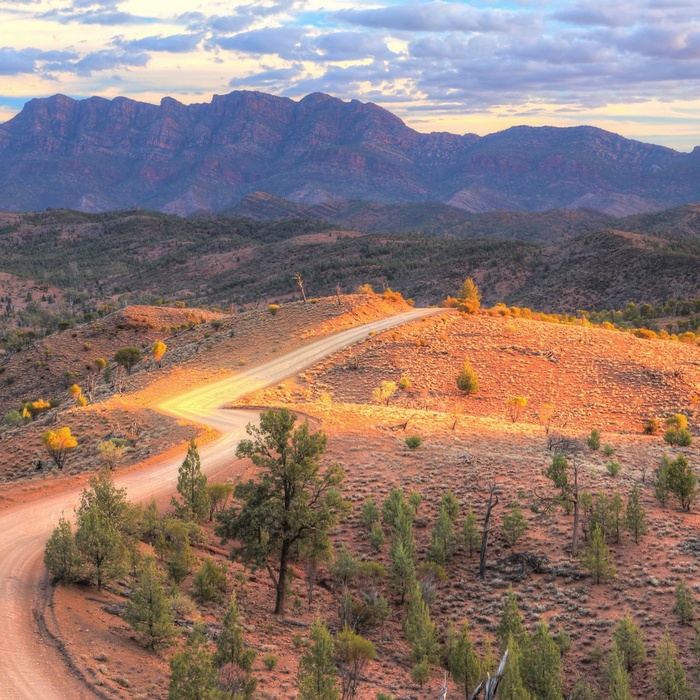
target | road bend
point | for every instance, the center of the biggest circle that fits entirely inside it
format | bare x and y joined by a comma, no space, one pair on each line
31,667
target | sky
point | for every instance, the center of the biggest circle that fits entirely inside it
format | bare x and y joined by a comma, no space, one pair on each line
629,66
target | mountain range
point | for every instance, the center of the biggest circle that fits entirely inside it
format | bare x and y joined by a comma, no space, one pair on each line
98,155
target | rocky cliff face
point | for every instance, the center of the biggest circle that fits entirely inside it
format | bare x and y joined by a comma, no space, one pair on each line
99,154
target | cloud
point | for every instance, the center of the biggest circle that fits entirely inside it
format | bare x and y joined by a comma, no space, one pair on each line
109,59
32,60
274,78
438,16
283,41
175,43
107,18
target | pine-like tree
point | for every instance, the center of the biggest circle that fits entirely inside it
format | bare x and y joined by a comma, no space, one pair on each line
511,624
541,665
421,631
512,686
682,481
629,640
635,515
402,574
685,603
669,680
514,525
464,664
615,676
192,671
470,532
149,610
442,538
232,653
596,557
61,554
316,677
192,487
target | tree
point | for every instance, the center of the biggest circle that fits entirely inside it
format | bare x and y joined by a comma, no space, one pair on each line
516,406
467,379
218,494
629,640
232,657
682,481
661,485
442,538
384,392
291,502
421,631
111,452
669,680
593,441
316,677
100,545
511,624
192,671
616,677
158,351
192,487
596,557
469,297
127,357
491,504
685,603
58,443
61,554
402,574
541,665
470,532
464,664
148,609
369,514
635,515
512,686
209,581
353,653
514,525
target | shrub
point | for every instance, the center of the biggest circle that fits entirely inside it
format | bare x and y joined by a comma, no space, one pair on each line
681,437
516,406
270,661
593,441
209,581
467,380
404,383
613,468
414,442
651,426
127,357
12,419
365,289
273,308
608,450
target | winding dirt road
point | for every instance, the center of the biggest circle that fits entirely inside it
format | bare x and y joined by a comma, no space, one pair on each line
30,668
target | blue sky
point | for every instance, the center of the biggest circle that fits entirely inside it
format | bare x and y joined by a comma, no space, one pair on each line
631,66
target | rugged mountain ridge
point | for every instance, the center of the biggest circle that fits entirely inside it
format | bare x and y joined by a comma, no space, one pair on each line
98,154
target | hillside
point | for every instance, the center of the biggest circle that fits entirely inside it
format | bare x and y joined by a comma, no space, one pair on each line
98,155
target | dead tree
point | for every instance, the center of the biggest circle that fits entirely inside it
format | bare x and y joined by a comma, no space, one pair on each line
490,685
337,294
492,503
300,282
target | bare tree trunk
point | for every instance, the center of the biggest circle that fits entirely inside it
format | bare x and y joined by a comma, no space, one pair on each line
282,580
574,538
493,502
337,294
300,282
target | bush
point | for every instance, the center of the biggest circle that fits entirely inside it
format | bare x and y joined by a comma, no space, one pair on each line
209,581
404,383
270,661
681,437
366,290
414,442
613,468
12,419
593,441
608,450
651,426
273,308
467,380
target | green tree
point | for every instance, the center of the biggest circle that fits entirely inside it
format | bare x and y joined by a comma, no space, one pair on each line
148,609
467,379
192,671
127,357
558,472
593,441
470,532
685,603
511,623
232,656
615,676
629,640
635,515
669,680
369,514
192,487
464,664
442,538
173,543
316,677
682,481
218,495
596,557
514,525
402,573
512,686
100,545
353,654
209,581
421,631
451,505
61,554
541,665
661,485
290,503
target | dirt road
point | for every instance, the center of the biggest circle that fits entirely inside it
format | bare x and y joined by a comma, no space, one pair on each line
29,667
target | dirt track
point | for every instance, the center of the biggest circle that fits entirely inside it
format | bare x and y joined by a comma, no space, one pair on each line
30,667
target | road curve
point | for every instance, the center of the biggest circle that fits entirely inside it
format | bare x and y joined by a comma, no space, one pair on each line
30,668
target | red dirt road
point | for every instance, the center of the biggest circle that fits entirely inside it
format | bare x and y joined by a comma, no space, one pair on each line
30,667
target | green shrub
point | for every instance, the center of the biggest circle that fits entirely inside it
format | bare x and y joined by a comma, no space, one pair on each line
270,661
593,441
12,419
414,442
613,468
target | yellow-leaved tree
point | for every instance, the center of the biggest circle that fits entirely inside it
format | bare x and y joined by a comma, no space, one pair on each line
58,443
